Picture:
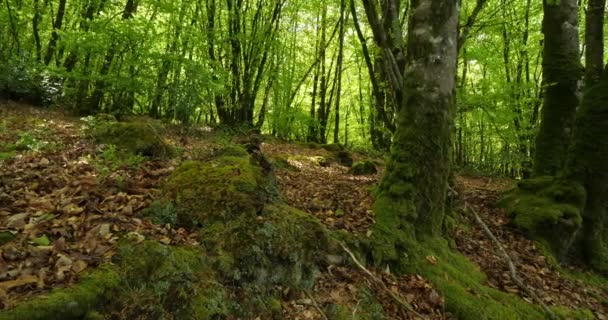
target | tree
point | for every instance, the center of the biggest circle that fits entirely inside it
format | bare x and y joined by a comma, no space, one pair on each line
411,199
594,36
587,165
562,71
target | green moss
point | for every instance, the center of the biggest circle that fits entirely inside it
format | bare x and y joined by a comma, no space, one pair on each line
70,303
142,138
464,287
334,147
283,246
232,150
218,190
363,168
588,165
162,213
159,282
548,209
7,155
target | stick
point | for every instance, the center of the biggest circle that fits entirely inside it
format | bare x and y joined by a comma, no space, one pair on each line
406,306
512,269
316,305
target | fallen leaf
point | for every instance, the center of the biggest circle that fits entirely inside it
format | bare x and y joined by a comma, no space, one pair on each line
431,259
79,266
23,281
41,241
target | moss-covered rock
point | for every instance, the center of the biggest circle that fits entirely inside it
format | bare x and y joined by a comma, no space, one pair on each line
282,246
142,137
72,303
362,168
342,156
215,191
548,209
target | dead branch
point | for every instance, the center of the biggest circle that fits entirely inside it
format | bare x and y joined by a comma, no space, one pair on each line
406,306
512,270
316,305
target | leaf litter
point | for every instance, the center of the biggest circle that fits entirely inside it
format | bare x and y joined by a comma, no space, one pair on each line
60,218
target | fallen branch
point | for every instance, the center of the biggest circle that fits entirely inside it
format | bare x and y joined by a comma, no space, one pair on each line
512,270
406,306
316,305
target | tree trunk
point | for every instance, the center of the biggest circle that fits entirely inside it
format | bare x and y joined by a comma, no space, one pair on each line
36,29
561,71
95,101
50,51
594,41
411,201
339,73
588,165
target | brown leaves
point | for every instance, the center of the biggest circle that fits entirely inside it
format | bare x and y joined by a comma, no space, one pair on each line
63,219
338,199
533,267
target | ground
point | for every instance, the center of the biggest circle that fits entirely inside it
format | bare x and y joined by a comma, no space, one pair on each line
68,205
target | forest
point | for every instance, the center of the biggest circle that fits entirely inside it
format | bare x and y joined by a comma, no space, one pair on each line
320,159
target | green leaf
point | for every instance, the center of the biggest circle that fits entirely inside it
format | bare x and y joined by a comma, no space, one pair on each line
6,236
42,241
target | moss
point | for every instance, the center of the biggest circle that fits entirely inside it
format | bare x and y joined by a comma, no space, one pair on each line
161,212
218,190
363,168
161,282
548,209
464,286
283,246
232,150
334,147
70,303
344,158
141,138
588,165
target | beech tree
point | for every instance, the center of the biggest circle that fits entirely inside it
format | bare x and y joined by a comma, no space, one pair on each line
562,72
411,198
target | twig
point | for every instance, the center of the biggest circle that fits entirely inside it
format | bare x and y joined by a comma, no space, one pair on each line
402,303
512,270
316,305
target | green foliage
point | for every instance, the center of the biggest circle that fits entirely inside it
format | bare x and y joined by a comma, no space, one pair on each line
22,78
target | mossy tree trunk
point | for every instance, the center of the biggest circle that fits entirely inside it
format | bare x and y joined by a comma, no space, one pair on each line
411,200
588,164
562,71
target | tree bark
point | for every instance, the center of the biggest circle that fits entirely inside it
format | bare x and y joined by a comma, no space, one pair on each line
339,72
50,51
411,199
594,41
587,165
561,71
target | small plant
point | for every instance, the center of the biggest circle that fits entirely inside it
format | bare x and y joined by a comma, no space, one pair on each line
162,213
28,141
112,159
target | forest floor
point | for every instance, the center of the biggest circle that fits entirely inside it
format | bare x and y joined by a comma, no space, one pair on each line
64,207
